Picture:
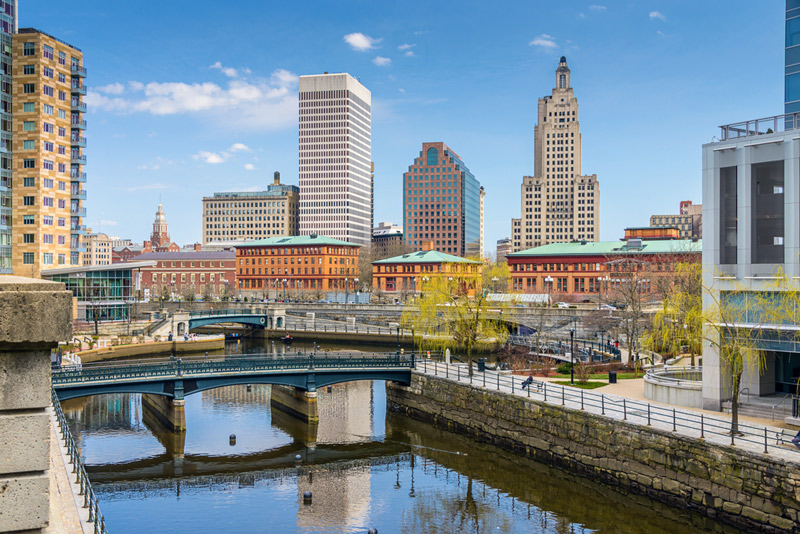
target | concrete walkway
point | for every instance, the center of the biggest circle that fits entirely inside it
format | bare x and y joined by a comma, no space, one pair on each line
67,515
714,427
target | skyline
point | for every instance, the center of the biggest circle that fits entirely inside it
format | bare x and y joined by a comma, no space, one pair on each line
175,116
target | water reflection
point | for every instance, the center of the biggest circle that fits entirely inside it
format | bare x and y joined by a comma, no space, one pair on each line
365,469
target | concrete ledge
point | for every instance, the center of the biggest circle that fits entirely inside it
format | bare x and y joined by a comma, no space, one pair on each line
22,444
24,380
34,311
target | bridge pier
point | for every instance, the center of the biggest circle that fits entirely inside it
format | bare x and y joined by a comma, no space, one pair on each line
298,403
167,412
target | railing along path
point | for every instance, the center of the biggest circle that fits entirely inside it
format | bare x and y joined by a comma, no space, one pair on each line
692,424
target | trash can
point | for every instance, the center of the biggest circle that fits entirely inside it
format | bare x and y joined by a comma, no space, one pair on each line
482,365
612,377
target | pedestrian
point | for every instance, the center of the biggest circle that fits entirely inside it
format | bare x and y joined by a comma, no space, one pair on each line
616,344
169,338
527,382
796,440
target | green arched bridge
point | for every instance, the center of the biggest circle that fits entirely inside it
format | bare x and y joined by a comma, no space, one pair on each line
176,378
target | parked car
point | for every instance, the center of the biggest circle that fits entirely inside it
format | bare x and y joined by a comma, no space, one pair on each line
562,304
607,307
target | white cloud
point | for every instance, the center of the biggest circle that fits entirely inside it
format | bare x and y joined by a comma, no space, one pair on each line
401,89
544,41
660,33
361,42
211,157
111,89
107,222
239,147
382,61
230,72
256,103
406,46
409,53
249,167
598,8
149,167
657,15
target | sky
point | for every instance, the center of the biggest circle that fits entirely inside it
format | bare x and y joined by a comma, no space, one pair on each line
191,98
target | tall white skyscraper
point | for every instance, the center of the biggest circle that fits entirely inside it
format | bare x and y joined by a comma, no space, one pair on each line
336,158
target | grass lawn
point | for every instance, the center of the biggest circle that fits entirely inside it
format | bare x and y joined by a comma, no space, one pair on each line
587,385
604,376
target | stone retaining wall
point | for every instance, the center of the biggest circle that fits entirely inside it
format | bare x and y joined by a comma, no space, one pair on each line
752,491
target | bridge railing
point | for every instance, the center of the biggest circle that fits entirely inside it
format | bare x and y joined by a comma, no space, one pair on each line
215,313
89,499
204,366
758,438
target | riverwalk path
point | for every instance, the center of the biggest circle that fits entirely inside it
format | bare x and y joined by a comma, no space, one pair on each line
714,427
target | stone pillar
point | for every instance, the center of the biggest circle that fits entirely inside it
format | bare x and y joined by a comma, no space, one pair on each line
295,402
166,411
34,316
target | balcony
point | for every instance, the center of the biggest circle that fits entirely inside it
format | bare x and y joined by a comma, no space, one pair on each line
77,105
79,212
78,249
79,124
77,176
77,159
78,195
765,126
78,89
77,140
78,70
78,230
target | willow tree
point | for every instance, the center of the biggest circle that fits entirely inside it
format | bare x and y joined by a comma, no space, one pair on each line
453,313
679,322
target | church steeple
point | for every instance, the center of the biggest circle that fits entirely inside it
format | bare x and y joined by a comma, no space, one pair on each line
160,235
562,74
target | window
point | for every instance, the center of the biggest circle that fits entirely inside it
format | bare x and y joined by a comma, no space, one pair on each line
48,72
47,239
29,49
48,183
28,126
29,164
47,220
62,78
28,88
28,219
29,182
47,258
767,211
27,238
48,146
62,95
28,107
47,127
48,109
47,202
62,114
562,81
29,69
48,91
728,215
28,201
29,145
62,58
47,51
27,258
433,156
47,165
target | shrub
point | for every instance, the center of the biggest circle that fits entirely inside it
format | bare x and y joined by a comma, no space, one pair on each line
563,368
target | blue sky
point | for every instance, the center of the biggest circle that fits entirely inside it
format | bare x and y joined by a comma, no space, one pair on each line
188,98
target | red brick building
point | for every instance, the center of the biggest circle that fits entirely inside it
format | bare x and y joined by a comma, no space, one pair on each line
177,274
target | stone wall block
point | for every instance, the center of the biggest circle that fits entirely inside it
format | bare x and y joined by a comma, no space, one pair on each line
24,502
24,380
24,442
34,311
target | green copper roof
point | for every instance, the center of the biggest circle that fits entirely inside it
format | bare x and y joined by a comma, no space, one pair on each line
426,256
610,248
296,240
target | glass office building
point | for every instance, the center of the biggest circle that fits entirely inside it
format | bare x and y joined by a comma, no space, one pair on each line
8,25
792,60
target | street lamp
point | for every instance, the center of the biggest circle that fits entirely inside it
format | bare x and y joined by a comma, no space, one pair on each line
346,292
572,356
285,283
549,283
494,281
398,339
355,283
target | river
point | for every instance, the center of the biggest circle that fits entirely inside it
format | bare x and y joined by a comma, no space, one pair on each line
366,468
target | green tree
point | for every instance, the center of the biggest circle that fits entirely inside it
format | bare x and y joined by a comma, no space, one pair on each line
495,276
679,322
447,317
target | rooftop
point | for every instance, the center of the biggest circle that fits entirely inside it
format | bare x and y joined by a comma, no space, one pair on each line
755,127
34,30
297,240
271,191
426,256
610,248
188,255
93,268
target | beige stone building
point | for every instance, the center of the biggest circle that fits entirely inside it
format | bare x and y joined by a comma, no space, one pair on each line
249,215
689,221
48,162
559,204
98,249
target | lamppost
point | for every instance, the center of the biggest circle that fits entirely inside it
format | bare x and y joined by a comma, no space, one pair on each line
355,285
398,339
549,283
494,283
601,280
346,290
285,283
572,356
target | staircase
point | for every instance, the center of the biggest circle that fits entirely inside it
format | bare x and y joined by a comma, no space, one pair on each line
772,407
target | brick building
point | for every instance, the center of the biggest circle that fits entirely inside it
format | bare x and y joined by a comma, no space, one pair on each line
299,263
408,273
180,273
587,269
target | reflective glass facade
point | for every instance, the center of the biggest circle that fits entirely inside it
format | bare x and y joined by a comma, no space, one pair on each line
792,62
106,293
8,12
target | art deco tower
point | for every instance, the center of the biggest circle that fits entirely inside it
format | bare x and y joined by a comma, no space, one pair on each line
559,204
